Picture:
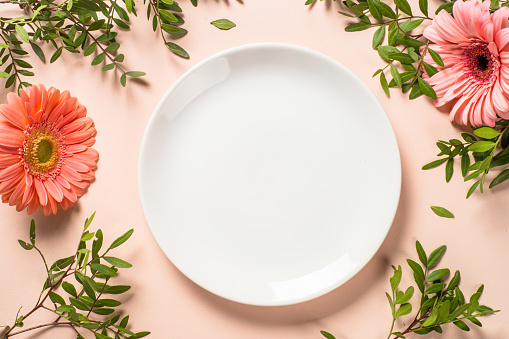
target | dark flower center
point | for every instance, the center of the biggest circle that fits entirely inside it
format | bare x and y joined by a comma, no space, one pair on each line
480,64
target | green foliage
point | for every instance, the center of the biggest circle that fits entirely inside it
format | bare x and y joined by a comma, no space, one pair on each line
167,16
75,26
399,42
88,27
441,301
76,287
478,153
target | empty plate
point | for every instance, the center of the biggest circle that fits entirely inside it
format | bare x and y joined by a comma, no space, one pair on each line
269,174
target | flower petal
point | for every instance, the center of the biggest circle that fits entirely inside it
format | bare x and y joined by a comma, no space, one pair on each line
41,192
11,172
53,189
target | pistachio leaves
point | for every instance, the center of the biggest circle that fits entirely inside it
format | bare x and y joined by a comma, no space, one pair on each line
78,289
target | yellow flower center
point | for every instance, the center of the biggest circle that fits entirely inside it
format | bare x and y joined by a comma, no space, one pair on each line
41,150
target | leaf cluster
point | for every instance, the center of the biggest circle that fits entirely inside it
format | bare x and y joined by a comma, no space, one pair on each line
167,16
442,301
78,289
397,41
478,153
76,26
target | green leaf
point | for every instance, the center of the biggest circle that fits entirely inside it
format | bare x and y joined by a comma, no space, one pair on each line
373,9
436,57
465,163
87,283
56,55
423,6
403,310
378,36
177,50
403,6
410,25
449,169
119,289
436,255
26,246
80,305
402,58
404,297
481,146
395,75
10,81
55,298
385,9
90,49
117,262
103,311
22,63
416,92
98,59
123,79
461,324
426,88
383,82
434,163
170,17
104,269
108,67
358,26
396,278
327,335
442,212
454,281
223,24
434,288
22,33
437,274
87,236
431,319
416,268
123,238
38,51
486,132
472,188
445,6
135,74
113,47
420,252
468,137
69,288
108,302
430,70
500,178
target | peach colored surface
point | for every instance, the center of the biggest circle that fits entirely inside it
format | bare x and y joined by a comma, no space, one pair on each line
165,302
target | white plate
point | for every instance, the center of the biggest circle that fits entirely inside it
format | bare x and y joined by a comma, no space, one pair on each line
269,174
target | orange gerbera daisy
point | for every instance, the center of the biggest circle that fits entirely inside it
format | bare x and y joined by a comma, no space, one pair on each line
46,159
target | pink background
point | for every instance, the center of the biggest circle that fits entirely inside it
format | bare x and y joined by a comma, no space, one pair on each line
164,301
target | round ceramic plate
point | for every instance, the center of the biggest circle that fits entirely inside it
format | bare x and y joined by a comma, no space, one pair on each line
269,174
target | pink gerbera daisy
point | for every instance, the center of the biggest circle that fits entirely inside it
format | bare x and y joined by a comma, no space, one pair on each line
475,76
46,159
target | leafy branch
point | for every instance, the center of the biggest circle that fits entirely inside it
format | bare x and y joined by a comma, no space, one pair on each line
396,42
488,147
92,271
441,302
